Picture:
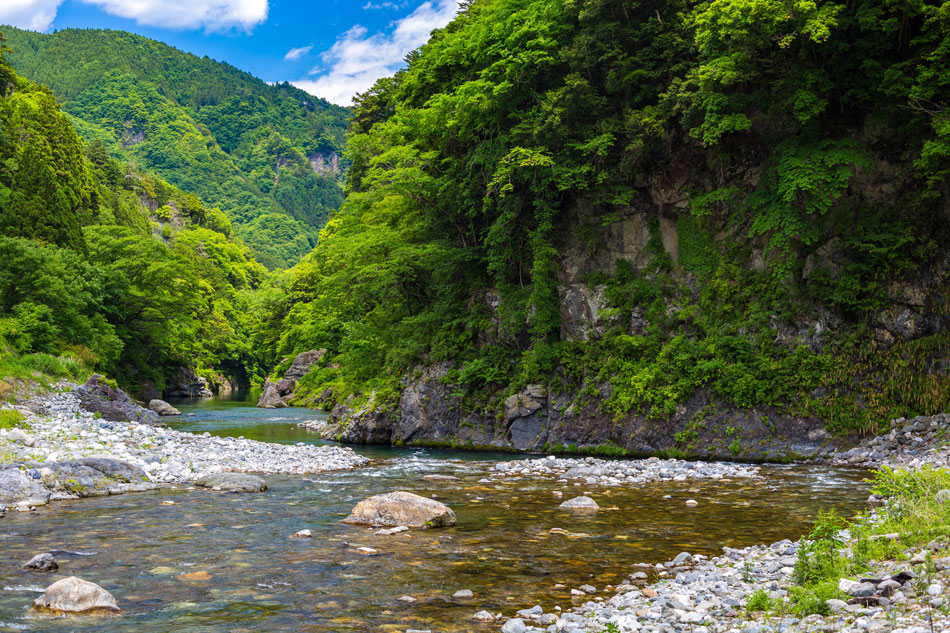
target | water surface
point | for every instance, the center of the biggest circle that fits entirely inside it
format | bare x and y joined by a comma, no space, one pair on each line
501,549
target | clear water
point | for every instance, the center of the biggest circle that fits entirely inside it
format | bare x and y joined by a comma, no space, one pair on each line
259,579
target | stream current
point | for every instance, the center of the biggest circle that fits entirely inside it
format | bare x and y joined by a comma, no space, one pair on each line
224,563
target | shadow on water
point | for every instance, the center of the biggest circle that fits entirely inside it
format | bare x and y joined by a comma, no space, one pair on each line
258,579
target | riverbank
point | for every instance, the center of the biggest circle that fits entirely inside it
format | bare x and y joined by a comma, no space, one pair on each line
887,571
64,433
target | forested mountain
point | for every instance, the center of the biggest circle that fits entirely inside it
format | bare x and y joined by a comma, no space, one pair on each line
597,221
103,266
267,155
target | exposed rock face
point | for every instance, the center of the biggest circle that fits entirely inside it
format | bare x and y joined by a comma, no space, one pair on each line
401,508
428,410
188,384
233,482
162,408
325,164
113,404
74,595
278,394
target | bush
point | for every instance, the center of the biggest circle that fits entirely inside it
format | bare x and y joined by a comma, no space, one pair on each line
759,601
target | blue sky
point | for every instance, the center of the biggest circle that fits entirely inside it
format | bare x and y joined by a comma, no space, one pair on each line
331,48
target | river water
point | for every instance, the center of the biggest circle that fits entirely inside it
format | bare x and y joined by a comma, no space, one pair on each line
221,563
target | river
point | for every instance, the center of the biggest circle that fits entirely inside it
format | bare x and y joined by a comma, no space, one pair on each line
256,578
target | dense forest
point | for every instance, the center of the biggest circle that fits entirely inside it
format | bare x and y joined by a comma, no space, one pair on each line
105,267
268,156
637,203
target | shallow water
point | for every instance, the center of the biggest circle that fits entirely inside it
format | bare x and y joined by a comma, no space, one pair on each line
262,580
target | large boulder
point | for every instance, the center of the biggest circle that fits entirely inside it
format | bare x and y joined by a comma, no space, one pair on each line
42,562
162,408
74,595
233,482
270,398
90,476
401,508
302,364
113,403
16,486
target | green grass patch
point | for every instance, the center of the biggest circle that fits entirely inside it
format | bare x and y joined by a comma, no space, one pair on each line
11,418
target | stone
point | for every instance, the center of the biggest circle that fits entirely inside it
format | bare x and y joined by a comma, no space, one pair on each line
389,532
836,606
270,398
401,509
463,594
692,503
406,599
21,436
683,558
113,404
521,405
162,408
515,625
74,595
302,364
942,496
440,478
42,562
302,534
483,616
233,482
17,487
579,503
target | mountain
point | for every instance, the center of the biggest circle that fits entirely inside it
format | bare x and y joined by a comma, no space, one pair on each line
694,227
106,267
269,156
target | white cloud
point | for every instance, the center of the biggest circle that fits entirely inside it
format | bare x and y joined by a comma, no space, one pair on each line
358,59
35,15
189,14
297,53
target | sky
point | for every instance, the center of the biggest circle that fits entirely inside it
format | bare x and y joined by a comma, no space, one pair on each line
330,48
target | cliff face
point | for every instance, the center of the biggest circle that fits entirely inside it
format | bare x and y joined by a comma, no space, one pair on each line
564,414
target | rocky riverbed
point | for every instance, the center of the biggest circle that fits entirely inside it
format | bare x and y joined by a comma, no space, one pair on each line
909,443
705,595
54,451
600,472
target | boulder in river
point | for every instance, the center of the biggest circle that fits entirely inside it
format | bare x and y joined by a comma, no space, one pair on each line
233,482
42,562
270,398
162,408
580,503
74,595
112,403
401,508
16,486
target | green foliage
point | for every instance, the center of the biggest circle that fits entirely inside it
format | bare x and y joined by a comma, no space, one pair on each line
791,143
818,555
11,418
242,145
108,294
760,600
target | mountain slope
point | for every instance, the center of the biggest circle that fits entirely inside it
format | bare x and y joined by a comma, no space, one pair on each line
266,155
600,222
105,267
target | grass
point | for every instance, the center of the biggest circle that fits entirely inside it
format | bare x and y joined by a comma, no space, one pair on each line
912,512
27,366
11,418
